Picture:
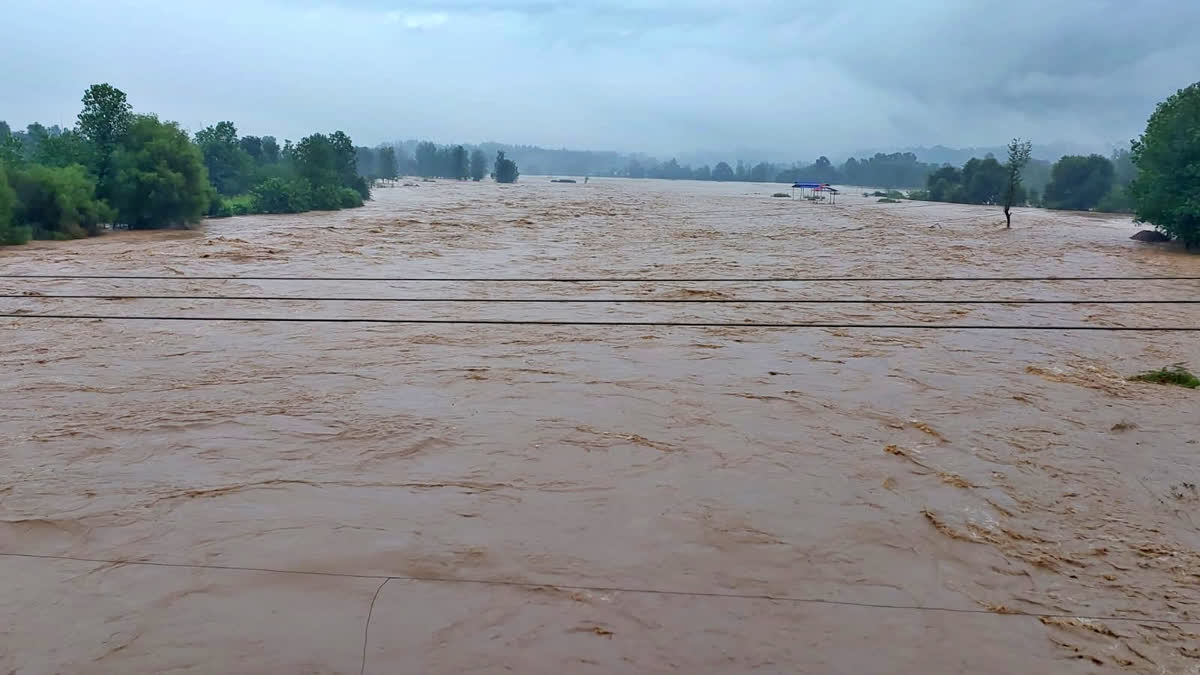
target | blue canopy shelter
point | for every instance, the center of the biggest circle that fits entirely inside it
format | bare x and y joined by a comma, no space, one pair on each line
816,192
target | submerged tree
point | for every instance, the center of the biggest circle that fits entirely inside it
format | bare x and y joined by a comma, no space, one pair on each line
505,169
459,164
478,165
387,163
1018,157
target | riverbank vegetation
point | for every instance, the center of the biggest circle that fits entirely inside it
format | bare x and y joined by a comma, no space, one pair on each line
119,168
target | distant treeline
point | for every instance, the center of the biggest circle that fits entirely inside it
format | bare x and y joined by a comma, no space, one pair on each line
429,160
422,158
1074,182
119,168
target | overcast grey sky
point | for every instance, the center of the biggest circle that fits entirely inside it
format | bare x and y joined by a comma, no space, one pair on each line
660,76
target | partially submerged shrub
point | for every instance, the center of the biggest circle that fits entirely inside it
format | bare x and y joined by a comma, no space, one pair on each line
1176,375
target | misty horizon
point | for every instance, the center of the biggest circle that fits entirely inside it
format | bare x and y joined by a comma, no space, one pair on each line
776,82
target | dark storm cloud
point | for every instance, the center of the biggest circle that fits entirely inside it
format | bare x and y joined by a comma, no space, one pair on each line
792,78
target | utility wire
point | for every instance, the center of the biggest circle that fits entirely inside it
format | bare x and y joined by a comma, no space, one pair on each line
774,301
666,324
606,589
576,280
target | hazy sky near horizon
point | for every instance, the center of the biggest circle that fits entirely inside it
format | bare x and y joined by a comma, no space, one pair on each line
795,78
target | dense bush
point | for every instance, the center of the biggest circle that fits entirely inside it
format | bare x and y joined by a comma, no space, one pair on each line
277,195
57,203
350,198
10,231
226,207
1079,183
326,198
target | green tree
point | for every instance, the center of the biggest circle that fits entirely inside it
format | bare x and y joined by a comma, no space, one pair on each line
478,165
460,168
104,121
983,182
944,184
159,177
253,146
1079,183
65,149
1018,157
316,160
12,150
387,163
1168,160
427,159
270,150
505,169
229,165
346,164
723,172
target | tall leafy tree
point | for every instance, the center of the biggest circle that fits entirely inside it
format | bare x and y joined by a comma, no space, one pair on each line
1167,156
104,121
388,169
253,146
229,165
270,150
159,177
1018,157
460,168
723,172
427,159
316,161
346,164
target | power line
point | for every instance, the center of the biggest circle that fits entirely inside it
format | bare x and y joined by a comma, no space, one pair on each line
775,301
602,589
577,280
663,324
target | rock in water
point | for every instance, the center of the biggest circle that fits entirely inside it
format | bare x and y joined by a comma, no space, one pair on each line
1150,235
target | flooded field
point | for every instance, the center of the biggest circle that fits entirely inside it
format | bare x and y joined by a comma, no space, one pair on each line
597,499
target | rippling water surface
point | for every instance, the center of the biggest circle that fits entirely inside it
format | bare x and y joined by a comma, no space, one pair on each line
526,485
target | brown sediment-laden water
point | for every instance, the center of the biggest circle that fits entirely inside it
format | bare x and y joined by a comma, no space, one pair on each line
596,499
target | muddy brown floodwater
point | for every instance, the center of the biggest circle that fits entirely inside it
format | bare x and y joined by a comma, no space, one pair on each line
230,497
